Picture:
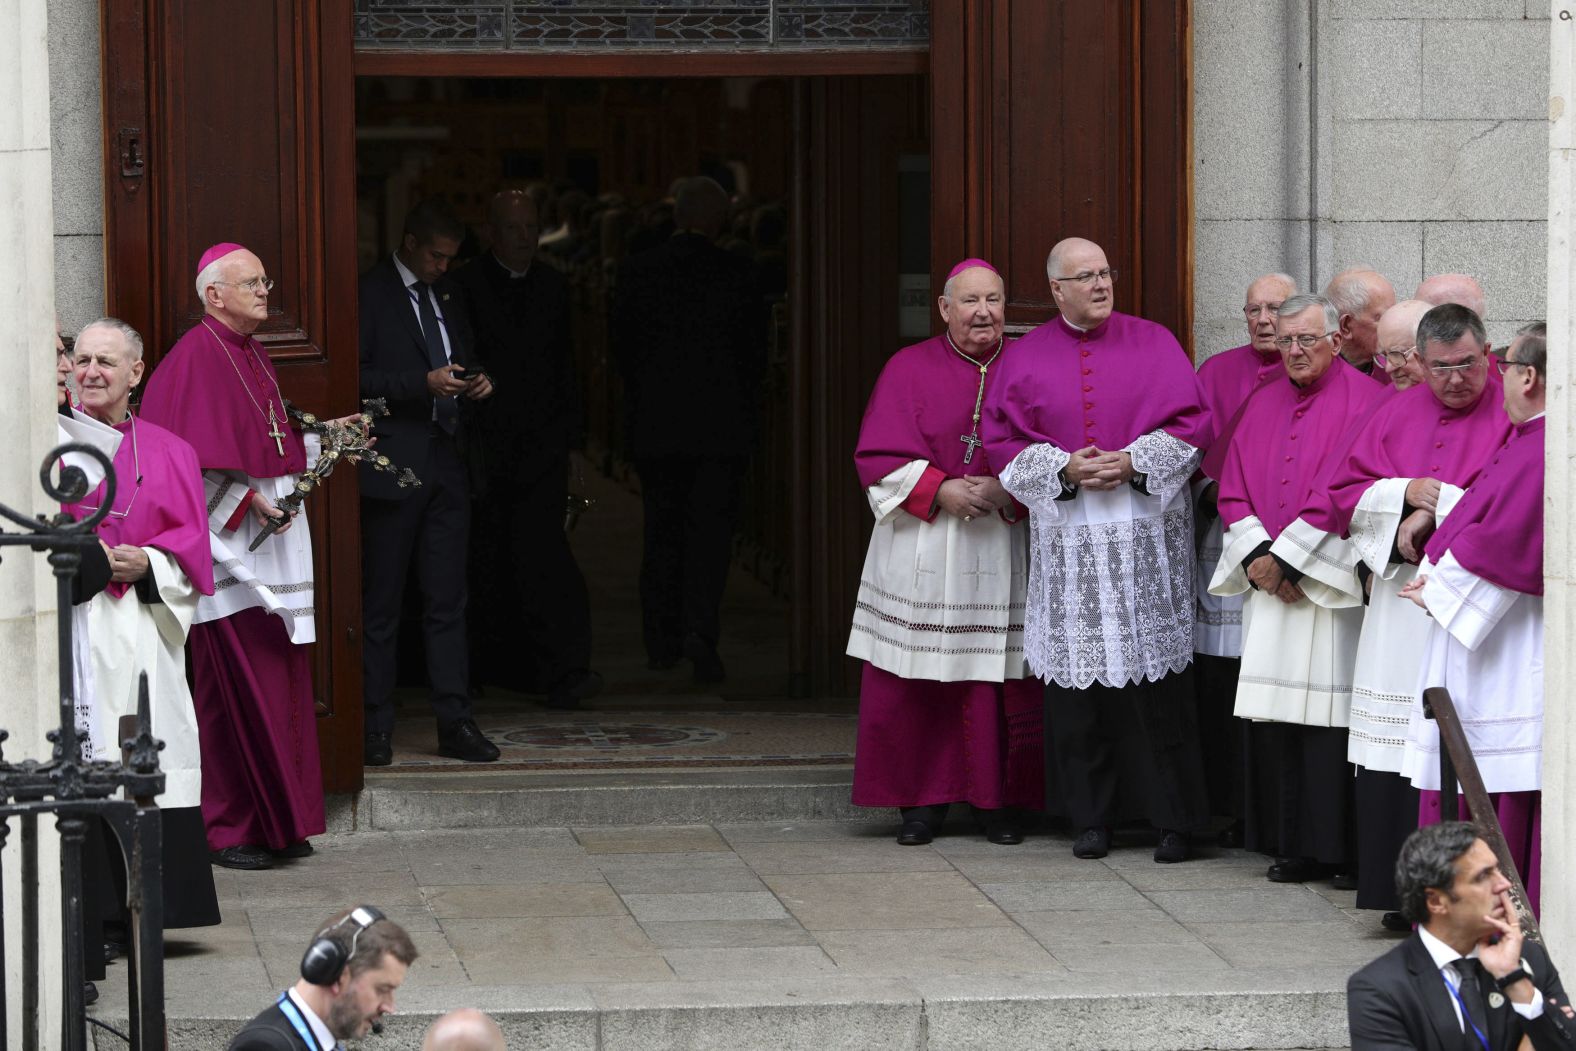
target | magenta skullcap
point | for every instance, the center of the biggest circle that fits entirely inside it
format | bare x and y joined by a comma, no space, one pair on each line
218,251
970,264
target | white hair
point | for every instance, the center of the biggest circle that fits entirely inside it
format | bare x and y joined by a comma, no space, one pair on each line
1352,290
1297,304
946,289
115,324
208,275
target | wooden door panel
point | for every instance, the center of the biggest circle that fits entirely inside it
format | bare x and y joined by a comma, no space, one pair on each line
245,114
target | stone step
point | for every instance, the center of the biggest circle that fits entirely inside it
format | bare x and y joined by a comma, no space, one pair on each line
473,798
1002,1013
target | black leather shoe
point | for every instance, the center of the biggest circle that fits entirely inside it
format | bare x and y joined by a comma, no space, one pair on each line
1296,870
1172,848
1394,921
1001,827
914,834
574,688
1092,843
708,666
302,849
377,749
464,740
89,994
245,856
1345,879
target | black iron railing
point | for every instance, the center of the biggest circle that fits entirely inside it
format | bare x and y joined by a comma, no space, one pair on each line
1456,763
80,794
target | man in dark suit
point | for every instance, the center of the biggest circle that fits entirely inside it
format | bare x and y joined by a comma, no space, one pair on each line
1464,979
346,1003
519,311
689,336
416,354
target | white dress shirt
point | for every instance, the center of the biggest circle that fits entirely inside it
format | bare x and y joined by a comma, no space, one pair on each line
325,1039
407,279
1444,958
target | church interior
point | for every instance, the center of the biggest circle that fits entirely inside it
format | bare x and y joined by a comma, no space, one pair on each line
600,157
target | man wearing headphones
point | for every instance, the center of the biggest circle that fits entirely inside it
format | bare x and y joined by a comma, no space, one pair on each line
348,977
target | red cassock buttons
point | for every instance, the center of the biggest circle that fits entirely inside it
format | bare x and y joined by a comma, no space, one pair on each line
1439,445
1087,388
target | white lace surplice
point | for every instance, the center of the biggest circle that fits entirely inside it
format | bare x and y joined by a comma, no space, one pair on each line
1486,647
1110,573
1217,619
939,600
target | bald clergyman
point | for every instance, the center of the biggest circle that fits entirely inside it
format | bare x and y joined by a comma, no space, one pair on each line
1361,295
1097,424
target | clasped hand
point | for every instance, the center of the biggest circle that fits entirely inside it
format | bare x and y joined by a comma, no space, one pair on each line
128,563
1266,575
1092,468
443,383
1413,533
972,496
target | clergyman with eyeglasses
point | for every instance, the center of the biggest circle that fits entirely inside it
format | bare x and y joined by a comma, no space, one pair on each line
1397,353
1302,614
155,527
1481,581
251,667
1227,379
1402,475
1097,423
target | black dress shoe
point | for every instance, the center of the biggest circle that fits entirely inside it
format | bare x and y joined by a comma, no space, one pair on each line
1394,921
377,749
1093,842
574,688
914,834
89,994
1296,870
1001,827
1172,848
1345,879
303,849
708,666
245,856
463,740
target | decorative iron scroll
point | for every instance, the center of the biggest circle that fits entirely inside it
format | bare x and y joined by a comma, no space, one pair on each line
81,796
554,25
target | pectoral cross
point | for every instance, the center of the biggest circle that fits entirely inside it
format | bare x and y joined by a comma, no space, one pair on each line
275,433
973,442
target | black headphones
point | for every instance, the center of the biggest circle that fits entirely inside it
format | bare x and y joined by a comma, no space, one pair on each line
328,955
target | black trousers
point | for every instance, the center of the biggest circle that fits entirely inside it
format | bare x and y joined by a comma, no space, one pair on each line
1386,814
1300,792
1123,752
691,506
540,605
428,529
1222,736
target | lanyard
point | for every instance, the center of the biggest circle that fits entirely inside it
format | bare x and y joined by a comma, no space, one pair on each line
1466,1015
291,1012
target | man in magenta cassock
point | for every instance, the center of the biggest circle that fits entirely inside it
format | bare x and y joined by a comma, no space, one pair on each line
262,787
946,711
1404,472
1303,610
1227,379
1096,425
1482,585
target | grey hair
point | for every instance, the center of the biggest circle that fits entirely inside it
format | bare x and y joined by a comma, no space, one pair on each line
208,275
115,324
1286,279
1295,305
1534,340
1447,323
1351,290
1428,862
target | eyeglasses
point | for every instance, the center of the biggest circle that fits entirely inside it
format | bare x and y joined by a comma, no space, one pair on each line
1396,356
1258,310
256,285
1447,370
1089,277
1305,341
1505,364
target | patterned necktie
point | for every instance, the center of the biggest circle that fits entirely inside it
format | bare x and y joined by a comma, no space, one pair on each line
432,332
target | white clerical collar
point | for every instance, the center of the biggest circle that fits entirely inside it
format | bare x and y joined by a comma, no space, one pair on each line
325,1039
1442,954
1539,416
514,274
1075,328
406,277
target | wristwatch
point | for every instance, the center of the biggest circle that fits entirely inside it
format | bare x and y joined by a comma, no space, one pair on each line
1511,979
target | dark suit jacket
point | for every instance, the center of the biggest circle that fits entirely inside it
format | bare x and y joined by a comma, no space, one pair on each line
689,335
522,338
394,366
269,1031
1400,1001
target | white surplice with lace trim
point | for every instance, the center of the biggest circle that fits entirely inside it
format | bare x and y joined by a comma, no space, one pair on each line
940,600
1110,572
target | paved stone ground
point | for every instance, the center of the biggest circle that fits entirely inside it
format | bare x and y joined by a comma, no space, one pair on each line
549,920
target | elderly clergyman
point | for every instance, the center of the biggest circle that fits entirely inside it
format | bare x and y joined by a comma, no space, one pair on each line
1301,619
1465,978
252,672
160,568
1402,475
1227,379
1453,288
947,711
1360,295
1398,354
1096,425
1482,584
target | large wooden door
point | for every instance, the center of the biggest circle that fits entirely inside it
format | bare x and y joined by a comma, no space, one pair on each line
1060,119
231,122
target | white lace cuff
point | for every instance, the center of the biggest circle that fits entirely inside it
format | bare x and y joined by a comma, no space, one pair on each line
1374,522
1448,496
1239,541
1463,603
1165,461
1034,480
1328,565
886,496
